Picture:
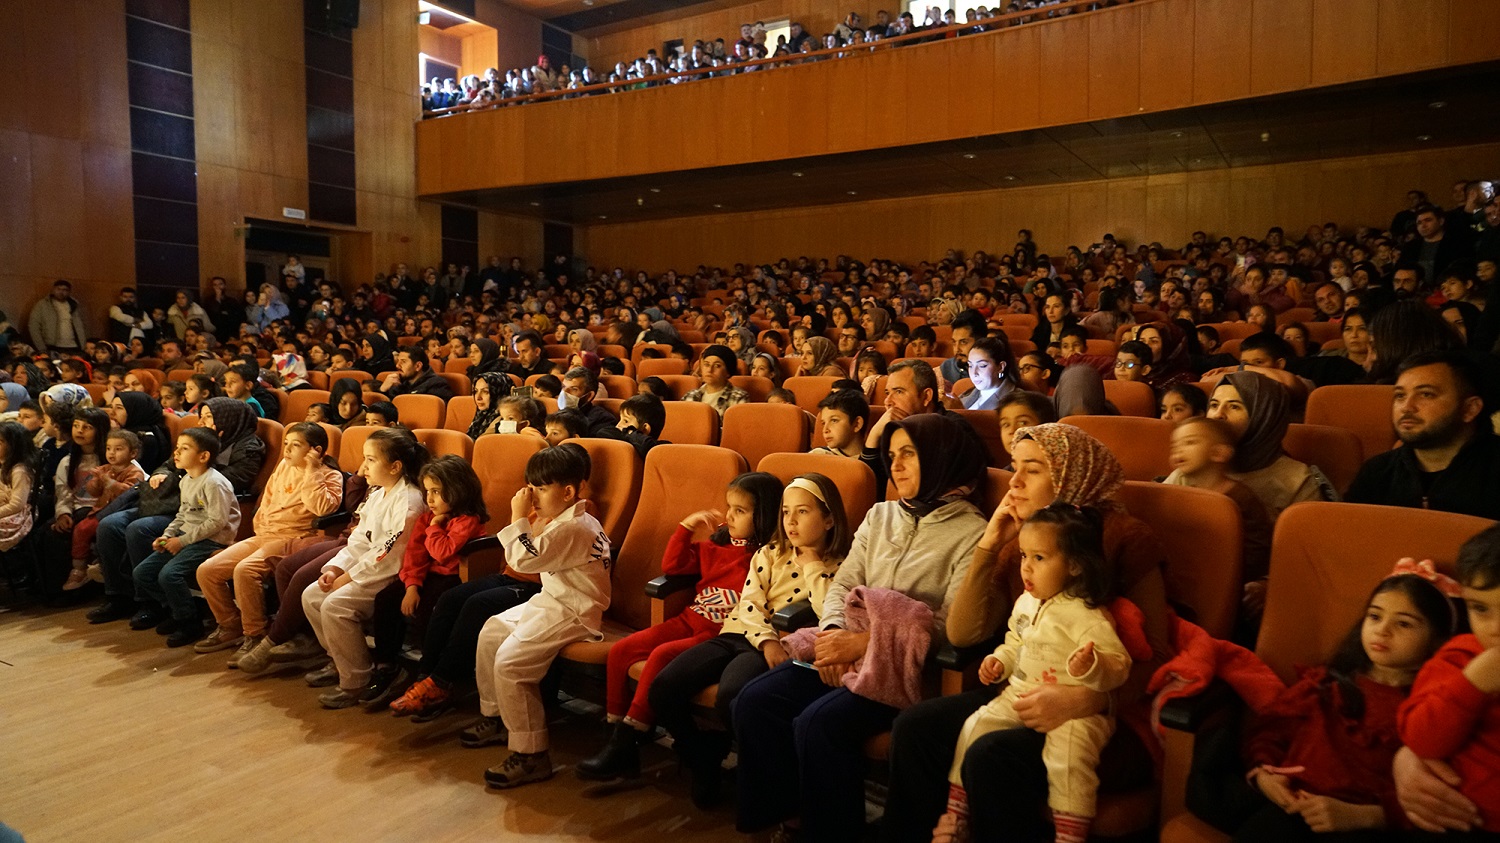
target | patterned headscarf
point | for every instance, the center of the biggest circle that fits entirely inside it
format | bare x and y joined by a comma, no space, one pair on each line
1269,407
1084,472
824,353
292,370
500,386
71,394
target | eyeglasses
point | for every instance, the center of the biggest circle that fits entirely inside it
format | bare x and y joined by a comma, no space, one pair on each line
1028,368
1122,364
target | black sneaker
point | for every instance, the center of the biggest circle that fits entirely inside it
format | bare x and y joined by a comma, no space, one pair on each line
620,757
187,632
111,610
147,618
386,683
168,626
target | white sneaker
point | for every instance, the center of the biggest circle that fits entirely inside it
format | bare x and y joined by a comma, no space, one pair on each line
77,579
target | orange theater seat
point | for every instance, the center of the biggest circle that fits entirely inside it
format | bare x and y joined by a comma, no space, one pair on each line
855,480
460,413
420,410
755,430
440,442
660,368
986,423
1334,450
458,382
357,374
294,408
1131,398
809,391
1363,409
352,447
680,385
457,366
1141,445
758,388
614,484
616,386
691,423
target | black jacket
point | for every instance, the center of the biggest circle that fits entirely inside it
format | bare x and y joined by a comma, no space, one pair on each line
1470,485
427,383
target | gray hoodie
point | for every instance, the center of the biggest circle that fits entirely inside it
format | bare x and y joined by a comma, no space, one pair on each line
924,559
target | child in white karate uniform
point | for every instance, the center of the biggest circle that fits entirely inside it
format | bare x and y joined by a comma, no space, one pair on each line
567,547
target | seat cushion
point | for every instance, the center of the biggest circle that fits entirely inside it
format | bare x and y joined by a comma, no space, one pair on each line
595,652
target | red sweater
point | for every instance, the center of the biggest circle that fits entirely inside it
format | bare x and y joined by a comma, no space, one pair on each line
1448,718
1349,760
435,549
721,571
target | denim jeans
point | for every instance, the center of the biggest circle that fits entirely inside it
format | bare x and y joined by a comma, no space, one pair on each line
123,542
165,578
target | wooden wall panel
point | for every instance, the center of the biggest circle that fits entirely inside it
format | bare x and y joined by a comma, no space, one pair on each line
1221,50
1413,34
1168,208
1065,74
1114,65
1018,72
1345,40
1166,66
1471,30
1280,45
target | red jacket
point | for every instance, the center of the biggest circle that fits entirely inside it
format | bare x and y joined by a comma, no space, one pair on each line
1346,759
721,571
1448,718
435,549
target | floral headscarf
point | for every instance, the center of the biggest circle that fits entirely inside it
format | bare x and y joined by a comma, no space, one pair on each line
292,370
1084,472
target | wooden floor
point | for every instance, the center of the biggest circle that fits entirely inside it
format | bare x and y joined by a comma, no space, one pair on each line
105,735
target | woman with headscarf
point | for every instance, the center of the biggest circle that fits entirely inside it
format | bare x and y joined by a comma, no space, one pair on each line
71,394
207,364
16,395
1055,463
489,388
741,341
820,359
142,380
920,546
346,404
243,451
140,413
582,339
876,321
1171,356
32,377
484,357
292,370
1080,392
375,355
1258,409
661,331
716,366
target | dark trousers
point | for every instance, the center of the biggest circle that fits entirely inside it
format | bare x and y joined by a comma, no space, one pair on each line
1006,781
123,540
390,624
923,740
168,578
294,573
1273,824
726,660
453,630
802,753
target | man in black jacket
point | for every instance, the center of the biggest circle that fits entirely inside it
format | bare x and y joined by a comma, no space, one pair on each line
413,376
1450,456
579,387
529,360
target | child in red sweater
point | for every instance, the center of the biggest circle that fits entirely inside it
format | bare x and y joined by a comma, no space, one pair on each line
1322,754
1452,714
749,519
455,514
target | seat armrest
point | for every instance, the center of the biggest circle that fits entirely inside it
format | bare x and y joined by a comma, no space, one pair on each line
480,543
954,657
794,617
668,584
1189,714
334,519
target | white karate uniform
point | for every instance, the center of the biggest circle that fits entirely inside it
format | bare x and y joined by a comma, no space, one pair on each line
518,645
372,558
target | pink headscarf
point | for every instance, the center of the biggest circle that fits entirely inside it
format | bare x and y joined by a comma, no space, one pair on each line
1084,472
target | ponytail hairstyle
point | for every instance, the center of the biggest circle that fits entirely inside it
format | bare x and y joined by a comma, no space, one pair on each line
1079,534
765,490
461,488
1350,661
316,437
399,445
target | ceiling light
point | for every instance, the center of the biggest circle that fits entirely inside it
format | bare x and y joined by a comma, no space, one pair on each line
588,2
1177,134
536,204
1436,104
656,190
1265,136
969,155
853,193
603,216
1424,137
1010,178
716,205
796,175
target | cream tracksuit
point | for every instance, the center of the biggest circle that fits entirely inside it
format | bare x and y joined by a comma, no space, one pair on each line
1042,636
372,558
518,645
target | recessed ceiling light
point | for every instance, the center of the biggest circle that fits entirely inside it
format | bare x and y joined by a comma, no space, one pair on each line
1265,136
1010,178
603,216
536,204
656,190
797,175
1177,134
716,205
969,155
853,193
1436,104
1424,137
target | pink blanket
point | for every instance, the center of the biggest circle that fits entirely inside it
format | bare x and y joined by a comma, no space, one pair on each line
900,634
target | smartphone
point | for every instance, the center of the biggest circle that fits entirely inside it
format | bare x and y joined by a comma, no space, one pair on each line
521,392
801,663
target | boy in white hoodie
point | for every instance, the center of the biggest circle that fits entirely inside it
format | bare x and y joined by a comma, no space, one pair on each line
567,547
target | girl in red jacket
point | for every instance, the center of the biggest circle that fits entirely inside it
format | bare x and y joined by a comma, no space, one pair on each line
455,514
752,512
1322,754
1453,715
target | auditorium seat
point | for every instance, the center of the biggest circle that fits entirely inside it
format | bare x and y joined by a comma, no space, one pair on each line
1363,409
460,413
1131,398
660,368
1101,348
271,433
1334,450
1202,536
357,374
500,462
986,423
419,410
459,383
457,366
691,423
177,425
618,386
557,351
1141,445
335,439
294,408
614,484
809,391
680,385
352,447
754,430
317,380
758,388
638,349
855,480
440,442
371,397
96,392
1325,559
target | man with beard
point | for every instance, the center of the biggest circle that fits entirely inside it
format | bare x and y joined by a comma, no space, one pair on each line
1451,457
